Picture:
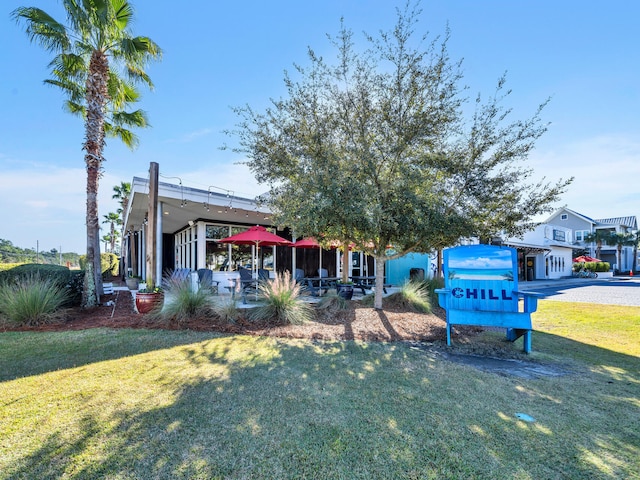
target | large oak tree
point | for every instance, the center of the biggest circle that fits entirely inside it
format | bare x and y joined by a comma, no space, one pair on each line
375,149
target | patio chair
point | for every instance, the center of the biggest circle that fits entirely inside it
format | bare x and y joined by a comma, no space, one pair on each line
205,276
323,286
247,283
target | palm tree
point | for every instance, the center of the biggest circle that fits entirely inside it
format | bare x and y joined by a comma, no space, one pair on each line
122,193
620,240
598,237
112,219
94,54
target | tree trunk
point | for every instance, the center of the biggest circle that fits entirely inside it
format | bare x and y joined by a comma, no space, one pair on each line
345,263
96,96
379,288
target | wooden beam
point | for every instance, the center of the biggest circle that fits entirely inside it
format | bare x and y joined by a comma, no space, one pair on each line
152,222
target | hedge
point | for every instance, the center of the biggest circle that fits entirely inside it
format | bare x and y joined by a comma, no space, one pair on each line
61,276
109,264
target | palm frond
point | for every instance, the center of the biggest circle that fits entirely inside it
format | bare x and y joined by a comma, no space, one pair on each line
122,12
126,136
137,118
75,108
42,28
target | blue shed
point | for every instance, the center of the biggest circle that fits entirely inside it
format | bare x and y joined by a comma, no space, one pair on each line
398,271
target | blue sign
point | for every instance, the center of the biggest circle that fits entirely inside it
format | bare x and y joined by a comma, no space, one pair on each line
481,288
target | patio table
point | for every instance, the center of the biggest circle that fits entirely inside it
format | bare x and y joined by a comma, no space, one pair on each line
366,282
316,284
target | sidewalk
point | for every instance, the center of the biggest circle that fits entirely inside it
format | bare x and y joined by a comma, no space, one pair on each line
532,285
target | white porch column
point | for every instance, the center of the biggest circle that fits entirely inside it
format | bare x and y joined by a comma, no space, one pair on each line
142,248
201,245
159,254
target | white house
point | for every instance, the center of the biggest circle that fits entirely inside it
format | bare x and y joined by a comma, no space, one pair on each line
583,226
544,253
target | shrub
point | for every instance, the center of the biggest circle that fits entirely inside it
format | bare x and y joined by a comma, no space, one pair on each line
31,300
226,310
183,303
71,281
591,266
333,303
413,296
282,302
109,264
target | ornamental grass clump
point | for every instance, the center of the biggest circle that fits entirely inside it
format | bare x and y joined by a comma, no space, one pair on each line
282,302
412,296
226,310
31,300
333,303
183,303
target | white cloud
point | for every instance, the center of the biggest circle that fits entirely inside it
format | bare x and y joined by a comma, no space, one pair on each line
606,171
48,205
191,136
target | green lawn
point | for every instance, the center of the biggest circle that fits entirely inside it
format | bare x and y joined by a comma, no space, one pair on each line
122,404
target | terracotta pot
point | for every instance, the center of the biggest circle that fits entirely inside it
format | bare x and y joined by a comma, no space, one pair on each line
147,302
345,290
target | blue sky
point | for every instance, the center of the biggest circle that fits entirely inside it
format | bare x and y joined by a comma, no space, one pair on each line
583,54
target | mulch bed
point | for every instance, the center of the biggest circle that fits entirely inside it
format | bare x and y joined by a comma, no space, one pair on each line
355,323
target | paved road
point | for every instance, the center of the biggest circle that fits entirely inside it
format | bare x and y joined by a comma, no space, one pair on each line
616,291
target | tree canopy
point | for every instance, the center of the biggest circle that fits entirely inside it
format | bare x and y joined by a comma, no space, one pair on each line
375,149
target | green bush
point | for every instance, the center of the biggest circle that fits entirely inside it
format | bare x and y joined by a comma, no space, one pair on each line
109,264
183,303
333,303
31,300
413,296
282,302
70,281
591,266
226,310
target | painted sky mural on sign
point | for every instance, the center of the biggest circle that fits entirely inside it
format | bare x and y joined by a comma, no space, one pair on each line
486,264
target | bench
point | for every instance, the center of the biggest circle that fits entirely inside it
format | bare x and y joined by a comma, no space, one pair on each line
481,288
177,276
367,283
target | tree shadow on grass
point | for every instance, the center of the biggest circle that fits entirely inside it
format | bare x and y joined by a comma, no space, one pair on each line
244,407
35,353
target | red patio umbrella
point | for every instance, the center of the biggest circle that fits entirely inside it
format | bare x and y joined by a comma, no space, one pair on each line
258,236
585,258
309,242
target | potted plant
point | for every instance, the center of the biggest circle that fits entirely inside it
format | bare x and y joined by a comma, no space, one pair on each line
345,289
148,300
133,282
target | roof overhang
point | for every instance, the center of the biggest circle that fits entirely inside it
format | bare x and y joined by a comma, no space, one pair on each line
181,204
528,248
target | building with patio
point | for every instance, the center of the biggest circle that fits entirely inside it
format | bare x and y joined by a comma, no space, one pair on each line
190,223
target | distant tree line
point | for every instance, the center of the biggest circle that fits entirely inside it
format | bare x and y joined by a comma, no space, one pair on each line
9,253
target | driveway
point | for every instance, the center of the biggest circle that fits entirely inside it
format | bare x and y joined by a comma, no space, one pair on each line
614,291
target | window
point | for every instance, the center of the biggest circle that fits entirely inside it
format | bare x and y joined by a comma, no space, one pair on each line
564,216
579,235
